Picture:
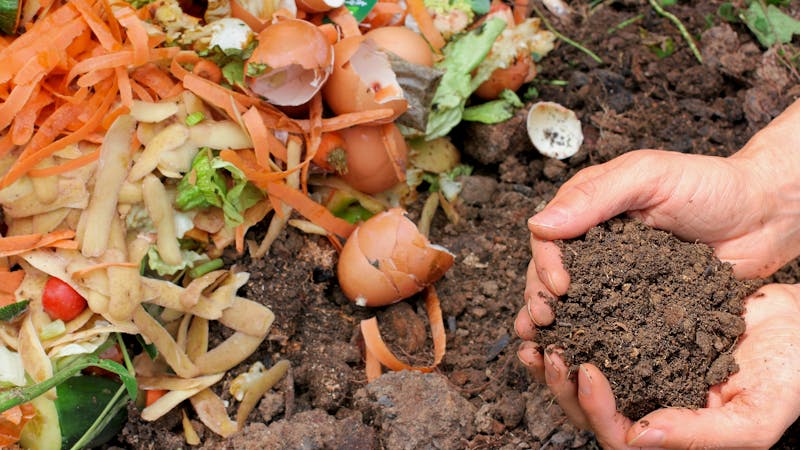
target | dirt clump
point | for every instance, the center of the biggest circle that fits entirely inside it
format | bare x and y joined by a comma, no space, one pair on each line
660,317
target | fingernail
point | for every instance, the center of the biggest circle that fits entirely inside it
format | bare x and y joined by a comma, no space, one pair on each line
521,358
650,437
585,384
537,310
551,372
549,218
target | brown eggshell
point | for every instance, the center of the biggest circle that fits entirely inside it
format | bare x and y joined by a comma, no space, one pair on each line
369,168
298,60
374,269
511,77
403,42
362,80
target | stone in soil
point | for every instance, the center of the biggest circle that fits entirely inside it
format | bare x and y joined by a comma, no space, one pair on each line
660,317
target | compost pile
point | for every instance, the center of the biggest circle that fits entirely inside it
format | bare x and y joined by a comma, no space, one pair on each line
659,316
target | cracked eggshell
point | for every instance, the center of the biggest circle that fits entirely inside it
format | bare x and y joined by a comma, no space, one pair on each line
403,42
554,130
293,60
386,259
369,168
363,80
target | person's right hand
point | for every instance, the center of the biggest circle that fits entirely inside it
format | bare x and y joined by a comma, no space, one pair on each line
747,207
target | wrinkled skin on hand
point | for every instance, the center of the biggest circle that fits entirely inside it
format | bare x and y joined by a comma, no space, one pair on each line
747,207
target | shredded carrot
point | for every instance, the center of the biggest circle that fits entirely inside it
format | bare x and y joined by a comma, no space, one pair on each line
348,120
397,161
137,34
66,167
208,70
311,210
14,245
258,135
9,282
151,395
112,116
104,265
124,85
425,22
383,14
100,29
154,78
12,421
377,347
239,232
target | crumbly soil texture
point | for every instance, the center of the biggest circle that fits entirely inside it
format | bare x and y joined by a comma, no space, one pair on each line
480,396
660,317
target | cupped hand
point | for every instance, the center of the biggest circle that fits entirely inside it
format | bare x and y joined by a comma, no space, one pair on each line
750,410
747,207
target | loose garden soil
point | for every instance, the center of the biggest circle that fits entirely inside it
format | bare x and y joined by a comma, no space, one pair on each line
658,315
480,396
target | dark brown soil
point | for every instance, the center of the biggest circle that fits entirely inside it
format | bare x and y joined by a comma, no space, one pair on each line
480,396
659,316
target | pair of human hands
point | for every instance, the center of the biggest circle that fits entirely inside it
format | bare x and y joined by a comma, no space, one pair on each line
747,207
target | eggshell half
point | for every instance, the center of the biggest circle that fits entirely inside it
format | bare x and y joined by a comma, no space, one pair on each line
386,259
363,80
295,59
403,42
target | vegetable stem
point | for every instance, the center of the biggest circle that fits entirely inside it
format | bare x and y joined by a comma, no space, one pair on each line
569,41
686,36
625,23
112,408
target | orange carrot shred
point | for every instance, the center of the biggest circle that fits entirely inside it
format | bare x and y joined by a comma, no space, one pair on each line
104,265
258,135
311,210
99,28
66,167
417,10
377,347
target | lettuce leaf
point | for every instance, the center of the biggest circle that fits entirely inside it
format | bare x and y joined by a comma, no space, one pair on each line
495,111
189,259
207,184
461,56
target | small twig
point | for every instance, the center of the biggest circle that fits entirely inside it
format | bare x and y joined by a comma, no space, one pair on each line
625,23
564,38
688,37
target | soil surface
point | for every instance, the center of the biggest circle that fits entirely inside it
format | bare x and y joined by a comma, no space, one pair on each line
480,396
659,316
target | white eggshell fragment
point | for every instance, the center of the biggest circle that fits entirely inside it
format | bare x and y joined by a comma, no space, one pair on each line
554,130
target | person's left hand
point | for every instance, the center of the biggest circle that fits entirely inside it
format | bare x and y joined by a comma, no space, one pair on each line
751,409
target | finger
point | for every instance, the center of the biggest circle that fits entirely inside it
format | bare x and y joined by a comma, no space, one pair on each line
601,195
549,265
599,406
524,326
721,427
530,355
537,296
557,377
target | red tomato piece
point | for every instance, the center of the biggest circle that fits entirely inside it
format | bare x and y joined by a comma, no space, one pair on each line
60,301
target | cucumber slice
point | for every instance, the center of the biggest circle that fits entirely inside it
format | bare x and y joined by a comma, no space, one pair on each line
12,311
9,16
80,401
43,431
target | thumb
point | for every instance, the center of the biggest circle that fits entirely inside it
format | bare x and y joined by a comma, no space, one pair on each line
698,428
598,193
